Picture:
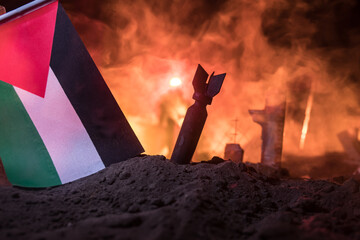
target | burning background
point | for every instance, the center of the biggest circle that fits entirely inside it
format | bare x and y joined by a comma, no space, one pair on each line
306,51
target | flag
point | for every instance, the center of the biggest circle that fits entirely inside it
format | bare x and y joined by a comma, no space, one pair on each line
58,119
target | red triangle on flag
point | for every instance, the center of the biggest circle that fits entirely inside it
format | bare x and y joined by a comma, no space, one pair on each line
25,49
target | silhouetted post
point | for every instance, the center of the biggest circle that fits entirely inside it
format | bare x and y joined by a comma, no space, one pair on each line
196,115
271,119
233,151
3,178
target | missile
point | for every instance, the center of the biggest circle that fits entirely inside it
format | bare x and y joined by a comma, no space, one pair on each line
196,115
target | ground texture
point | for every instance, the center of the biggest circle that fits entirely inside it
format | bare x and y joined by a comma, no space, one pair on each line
149,197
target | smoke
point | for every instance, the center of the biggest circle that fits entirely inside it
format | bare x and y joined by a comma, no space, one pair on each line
267,49
327,29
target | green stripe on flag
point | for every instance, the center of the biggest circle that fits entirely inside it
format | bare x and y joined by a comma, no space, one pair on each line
25,158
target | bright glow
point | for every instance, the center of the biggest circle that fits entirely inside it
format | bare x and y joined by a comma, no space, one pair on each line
306,120
175,82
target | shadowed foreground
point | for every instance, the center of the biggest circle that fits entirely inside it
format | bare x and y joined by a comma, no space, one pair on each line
151,198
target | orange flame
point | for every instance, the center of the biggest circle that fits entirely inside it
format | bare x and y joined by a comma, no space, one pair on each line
175,82
306,120
262,44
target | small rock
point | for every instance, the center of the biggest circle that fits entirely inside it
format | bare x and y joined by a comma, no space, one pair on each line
124,175
340,179
134,208
214,160
124,207
56,219
169,200
351,185
243,167
93,210
111,181
74,192
157,202
307,205
141,200
76,200
125,222
278,230
328,189
15,195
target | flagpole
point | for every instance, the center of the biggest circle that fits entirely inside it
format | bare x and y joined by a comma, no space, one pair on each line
29,7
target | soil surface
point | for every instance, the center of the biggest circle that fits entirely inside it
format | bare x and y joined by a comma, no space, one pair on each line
149,197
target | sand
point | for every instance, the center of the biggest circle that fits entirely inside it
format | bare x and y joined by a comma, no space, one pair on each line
149,197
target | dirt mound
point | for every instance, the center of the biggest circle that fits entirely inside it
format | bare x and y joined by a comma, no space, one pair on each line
151,198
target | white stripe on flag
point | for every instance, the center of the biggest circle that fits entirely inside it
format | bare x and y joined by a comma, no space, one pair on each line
67,141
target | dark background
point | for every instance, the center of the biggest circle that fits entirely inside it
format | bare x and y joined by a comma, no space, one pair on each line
13,4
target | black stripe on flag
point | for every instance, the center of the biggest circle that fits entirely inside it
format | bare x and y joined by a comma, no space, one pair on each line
91,98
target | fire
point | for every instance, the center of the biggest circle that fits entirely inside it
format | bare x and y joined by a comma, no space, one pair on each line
146,49
306,120
175,82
